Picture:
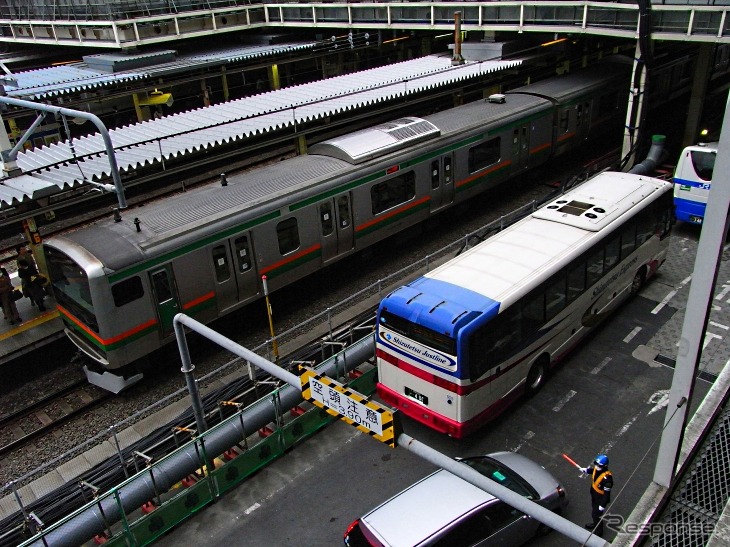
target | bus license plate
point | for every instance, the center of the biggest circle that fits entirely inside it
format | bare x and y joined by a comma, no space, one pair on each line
696,220
417,396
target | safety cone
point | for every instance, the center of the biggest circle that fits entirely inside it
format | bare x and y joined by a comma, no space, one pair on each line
148,507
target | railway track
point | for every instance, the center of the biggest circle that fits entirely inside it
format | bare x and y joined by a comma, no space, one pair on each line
47,415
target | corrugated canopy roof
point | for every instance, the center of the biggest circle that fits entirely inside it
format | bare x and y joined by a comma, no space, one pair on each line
79,77
50,169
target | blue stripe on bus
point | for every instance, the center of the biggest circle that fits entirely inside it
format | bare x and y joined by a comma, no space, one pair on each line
438,305
704,184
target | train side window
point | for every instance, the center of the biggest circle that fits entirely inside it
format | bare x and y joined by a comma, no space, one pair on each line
435,175
343,210
563,124
127,291
325,218
447,170
393,192
220,263
161,282
485,154
287,232
243,254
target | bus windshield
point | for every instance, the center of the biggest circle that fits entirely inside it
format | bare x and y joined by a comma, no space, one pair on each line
71,286
703,163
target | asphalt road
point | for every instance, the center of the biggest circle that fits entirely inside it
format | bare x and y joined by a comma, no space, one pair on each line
608,396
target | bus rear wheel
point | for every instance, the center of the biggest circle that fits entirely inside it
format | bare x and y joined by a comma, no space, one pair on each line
536,377
638,282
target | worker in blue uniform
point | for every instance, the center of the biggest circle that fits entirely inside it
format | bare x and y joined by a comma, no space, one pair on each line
601,485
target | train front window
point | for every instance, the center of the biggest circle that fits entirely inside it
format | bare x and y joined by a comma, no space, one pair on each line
71,287
418,333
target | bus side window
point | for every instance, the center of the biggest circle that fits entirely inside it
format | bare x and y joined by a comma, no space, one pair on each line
594,267
220,263
576,281
646,222
612,249
555,297
628,240
533,313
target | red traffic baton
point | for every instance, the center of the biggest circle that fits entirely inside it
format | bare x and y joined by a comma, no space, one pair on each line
572,462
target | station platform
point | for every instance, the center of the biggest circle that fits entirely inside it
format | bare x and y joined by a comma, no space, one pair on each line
37,328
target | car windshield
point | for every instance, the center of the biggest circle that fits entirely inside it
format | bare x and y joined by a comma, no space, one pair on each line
501,474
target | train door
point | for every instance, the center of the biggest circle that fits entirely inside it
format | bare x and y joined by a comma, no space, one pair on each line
162,280
335,219
442,181
583,120
248,285
521,146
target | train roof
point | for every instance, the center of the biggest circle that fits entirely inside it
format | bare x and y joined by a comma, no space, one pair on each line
523,253
572,85
203,210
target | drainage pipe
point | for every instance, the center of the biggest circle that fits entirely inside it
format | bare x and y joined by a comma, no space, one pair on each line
653,158
97,518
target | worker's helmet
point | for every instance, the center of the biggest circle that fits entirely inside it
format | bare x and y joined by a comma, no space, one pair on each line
601,460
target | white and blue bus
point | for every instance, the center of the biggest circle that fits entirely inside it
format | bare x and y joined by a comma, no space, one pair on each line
458,345
692,181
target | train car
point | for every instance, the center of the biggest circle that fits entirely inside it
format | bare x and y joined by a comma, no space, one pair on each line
119,284
457,346
692,178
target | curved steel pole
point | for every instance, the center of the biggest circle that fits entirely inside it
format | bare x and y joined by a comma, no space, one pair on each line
117,188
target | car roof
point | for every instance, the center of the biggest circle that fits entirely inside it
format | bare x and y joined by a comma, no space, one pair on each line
423,509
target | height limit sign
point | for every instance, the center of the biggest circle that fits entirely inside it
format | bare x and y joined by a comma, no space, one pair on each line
372,418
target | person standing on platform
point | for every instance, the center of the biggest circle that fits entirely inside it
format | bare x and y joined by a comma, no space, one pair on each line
31,281
6,297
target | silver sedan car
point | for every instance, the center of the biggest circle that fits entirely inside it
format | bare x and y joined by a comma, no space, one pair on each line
444,510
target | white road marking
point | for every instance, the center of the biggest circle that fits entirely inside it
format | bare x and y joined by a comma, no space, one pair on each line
723,293
252,509
600,365
633,333
669,296
719,325
660,399
529,435
708,337
563,401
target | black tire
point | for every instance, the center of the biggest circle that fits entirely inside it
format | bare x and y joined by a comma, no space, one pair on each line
536,377
638,282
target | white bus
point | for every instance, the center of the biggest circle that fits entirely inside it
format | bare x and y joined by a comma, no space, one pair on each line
692,178
458,345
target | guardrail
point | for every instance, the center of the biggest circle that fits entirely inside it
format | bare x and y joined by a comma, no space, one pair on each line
699,23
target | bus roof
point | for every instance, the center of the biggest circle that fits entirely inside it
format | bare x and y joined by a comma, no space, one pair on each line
526,253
